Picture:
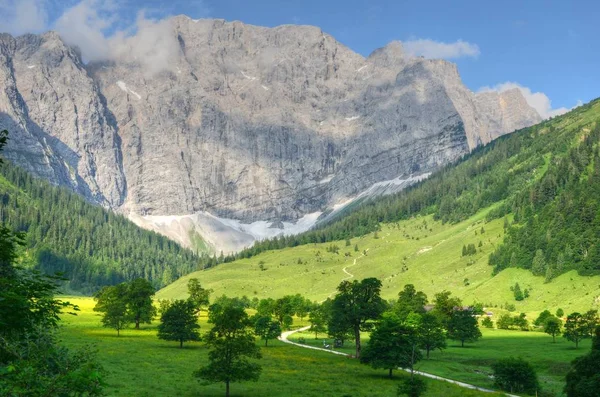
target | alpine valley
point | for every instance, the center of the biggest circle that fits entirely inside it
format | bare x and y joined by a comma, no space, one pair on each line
246,132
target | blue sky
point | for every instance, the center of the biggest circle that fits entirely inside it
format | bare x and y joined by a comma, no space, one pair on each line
550,47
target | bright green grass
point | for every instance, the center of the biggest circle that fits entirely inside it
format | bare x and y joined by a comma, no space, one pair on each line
472,363
139,364
405,252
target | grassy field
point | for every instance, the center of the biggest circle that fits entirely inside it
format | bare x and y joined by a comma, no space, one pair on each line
420,251
472,363
139,364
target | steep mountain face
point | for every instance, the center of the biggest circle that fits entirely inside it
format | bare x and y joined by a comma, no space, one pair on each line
245,123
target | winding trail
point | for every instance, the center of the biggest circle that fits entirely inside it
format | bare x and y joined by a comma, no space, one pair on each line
349,275
284,338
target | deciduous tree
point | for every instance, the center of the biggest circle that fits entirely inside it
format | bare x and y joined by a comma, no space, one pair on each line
140,307
356,305
266,328
179,322
111,301
463,326
515,375
231,346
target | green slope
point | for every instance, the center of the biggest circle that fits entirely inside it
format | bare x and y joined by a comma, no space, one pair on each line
90,245
421,232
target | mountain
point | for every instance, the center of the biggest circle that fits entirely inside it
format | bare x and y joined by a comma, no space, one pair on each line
527,204
89,245
245,132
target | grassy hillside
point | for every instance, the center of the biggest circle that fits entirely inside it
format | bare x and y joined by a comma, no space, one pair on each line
90,245
139,364
421,251
547,177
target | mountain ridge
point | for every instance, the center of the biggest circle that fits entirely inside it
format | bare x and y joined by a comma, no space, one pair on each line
245,123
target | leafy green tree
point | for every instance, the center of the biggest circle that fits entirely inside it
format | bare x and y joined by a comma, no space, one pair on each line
231,346
516,289
552,326
560,312
112,303
431,333
591,320
487,322
318,320
140,307
265,307
266,328
197,294
541,319
301,306
32,362
412,387
283,310
575,328
445,305
463,326
356,305
392,344
410,300
515,375
179,322
583,379
505,321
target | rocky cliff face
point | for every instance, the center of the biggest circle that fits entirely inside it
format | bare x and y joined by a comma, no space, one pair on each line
247,123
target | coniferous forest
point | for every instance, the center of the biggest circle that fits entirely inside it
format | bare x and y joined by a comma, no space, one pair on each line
89,245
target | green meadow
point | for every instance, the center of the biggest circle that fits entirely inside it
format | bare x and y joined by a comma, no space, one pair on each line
472,363
418,251
139,364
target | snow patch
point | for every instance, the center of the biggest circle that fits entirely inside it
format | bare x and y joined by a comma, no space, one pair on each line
124,88
326,179
30,66
361,68
251,78
265,87
352,118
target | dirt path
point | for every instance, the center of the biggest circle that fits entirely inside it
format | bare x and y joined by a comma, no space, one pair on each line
349,275
284,338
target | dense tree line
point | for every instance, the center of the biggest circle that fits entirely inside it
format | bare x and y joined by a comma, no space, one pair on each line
89,245
33,361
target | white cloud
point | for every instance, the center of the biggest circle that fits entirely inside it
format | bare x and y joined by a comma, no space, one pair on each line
537,100
148,42
23,16
437,49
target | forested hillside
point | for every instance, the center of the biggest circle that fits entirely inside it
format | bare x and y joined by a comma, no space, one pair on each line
91,246
545,180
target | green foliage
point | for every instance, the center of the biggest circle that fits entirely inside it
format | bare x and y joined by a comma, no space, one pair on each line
231,346
265,328
355,306
140,307
506,321
463,326
583,380
178,322
431,333
515,375
89,245
32,362
487,322
553,326
112,303
392,344
200,297
576,328
412,387
541,319
469,250
445,306
519,295
410,301
560,312
318,319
